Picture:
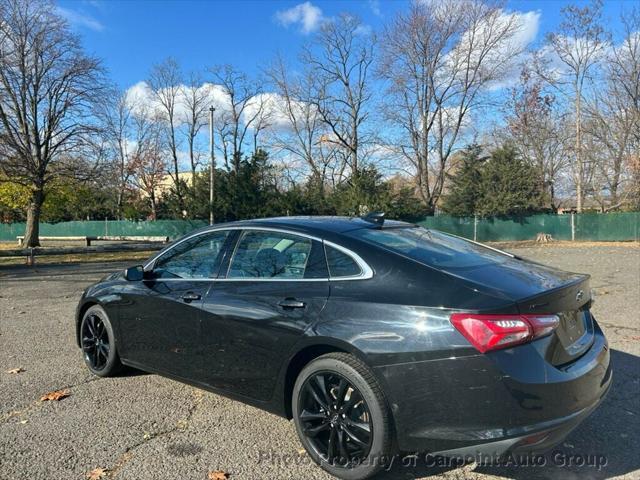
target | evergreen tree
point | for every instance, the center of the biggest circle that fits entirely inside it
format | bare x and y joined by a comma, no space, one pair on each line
510,186
465,193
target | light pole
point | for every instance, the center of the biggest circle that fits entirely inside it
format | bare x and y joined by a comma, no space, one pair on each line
212,165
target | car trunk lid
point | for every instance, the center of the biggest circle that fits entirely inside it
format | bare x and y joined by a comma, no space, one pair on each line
540,290
570,302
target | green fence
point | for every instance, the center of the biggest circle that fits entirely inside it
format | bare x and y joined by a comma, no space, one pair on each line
588,226
170,228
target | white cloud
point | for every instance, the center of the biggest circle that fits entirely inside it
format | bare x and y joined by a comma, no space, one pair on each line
275,111
374,5
80,19
529,25
506,55
143,101
363,29
139,96
306,15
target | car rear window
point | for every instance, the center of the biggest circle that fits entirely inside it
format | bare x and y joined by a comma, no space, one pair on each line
431,247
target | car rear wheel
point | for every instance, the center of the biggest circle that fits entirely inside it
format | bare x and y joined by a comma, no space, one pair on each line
342,417
98,343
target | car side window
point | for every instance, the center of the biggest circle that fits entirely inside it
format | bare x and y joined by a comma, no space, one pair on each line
262,254
196,258
340,264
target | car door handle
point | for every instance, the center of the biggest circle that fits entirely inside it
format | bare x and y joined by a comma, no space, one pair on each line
191,297
291,303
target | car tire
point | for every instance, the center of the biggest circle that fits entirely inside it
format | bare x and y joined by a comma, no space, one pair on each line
343,425
98,343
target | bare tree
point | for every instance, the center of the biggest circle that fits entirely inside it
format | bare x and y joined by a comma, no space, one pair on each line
578,45
439,60
538,131
304,134
116,115
148,162
47,90
624,68
613,118
340,62
165,81
240,114
196,101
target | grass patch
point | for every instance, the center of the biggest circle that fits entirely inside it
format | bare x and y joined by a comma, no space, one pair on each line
79,258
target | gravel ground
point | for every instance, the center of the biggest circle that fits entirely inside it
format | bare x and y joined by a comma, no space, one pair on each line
143,426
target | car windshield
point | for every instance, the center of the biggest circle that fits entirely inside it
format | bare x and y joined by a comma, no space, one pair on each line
431,247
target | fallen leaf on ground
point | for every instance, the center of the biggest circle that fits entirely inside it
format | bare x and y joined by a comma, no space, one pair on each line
97,473
218,475
15,371
301,451
55,396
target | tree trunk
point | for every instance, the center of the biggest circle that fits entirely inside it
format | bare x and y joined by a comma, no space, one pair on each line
154,210
579,162
193,165
32,231
120,202
613,201
579,196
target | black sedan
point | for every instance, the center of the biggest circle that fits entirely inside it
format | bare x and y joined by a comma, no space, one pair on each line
375,336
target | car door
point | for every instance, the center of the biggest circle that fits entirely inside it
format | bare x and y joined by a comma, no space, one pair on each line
160,319
275,286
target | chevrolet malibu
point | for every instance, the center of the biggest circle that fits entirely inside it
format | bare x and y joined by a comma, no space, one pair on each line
374,336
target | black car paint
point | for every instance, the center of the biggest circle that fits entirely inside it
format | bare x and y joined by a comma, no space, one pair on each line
443,394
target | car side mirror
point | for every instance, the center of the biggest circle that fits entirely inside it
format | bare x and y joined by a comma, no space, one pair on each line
134,274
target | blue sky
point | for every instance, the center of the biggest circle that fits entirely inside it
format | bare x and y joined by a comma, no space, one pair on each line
132,35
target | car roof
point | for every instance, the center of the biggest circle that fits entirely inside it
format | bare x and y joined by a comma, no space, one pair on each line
316,224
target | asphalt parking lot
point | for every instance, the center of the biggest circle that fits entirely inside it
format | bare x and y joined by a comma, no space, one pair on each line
141,426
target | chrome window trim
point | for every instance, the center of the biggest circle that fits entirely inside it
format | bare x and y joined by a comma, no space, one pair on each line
365,274
153,259
365,270
259,279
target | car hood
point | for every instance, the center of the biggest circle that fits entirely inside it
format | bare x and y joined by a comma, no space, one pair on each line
111,276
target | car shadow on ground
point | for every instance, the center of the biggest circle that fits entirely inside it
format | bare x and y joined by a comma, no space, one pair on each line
128,371
605,445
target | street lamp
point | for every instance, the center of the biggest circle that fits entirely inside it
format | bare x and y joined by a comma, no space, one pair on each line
212,165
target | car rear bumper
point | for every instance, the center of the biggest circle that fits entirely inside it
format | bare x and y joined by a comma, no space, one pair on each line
528,440
508,401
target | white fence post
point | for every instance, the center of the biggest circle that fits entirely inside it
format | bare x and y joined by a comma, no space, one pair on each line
475,228
573,227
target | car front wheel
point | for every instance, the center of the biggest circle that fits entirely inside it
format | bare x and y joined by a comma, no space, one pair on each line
98,343
342,417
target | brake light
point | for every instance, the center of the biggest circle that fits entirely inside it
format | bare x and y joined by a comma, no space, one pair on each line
492,332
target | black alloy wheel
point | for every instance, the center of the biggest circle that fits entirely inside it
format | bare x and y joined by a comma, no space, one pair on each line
95,342
341,416
98,343
336,419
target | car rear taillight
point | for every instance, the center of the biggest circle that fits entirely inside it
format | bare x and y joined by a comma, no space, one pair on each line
492,332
